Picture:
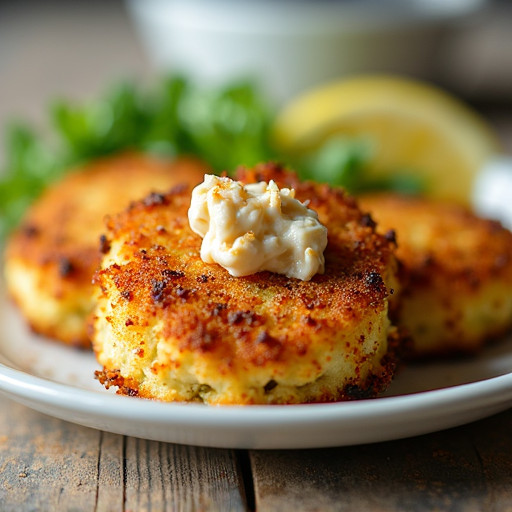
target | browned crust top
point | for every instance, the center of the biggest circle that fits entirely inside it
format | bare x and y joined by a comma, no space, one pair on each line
268,317
61,233
443,244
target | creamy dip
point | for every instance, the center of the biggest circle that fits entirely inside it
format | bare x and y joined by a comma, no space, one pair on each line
255,227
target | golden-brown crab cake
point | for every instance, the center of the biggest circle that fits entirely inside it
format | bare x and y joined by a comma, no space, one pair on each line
52,256
458,270
171,327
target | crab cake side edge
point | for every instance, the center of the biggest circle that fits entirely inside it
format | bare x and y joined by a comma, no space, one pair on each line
457,293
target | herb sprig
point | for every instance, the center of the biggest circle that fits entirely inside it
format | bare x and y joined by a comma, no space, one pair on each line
225,127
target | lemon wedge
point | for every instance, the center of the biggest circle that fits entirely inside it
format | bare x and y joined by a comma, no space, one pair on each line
414,128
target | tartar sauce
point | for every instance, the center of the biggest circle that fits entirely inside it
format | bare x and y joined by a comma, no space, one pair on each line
255,227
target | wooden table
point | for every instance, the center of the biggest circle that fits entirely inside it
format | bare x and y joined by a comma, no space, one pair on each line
51,465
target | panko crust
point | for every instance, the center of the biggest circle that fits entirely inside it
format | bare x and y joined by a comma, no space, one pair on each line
51,258
171,327
457,291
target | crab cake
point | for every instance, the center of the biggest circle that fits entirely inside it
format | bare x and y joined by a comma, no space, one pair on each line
51,258
458,271
170,327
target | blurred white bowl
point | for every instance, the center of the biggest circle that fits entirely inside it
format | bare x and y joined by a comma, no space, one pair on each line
290,45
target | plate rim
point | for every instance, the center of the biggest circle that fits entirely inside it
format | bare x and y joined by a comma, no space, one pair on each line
27,385
295,426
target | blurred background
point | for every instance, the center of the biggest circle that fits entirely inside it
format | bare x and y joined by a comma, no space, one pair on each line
75,49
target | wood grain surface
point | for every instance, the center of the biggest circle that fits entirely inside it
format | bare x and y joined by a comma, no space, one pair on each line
51,465
463,469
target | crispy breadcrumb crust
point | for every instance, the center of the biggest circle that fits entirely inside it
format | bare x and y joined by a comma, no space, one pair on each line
457,272
51,258
170,327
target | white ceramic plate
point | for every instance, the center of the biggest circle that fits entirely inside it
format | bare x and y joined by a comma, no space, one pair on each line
58,381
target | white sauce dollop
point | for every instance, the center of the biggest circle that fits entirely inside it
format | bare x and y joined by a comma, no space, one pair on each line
255,227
